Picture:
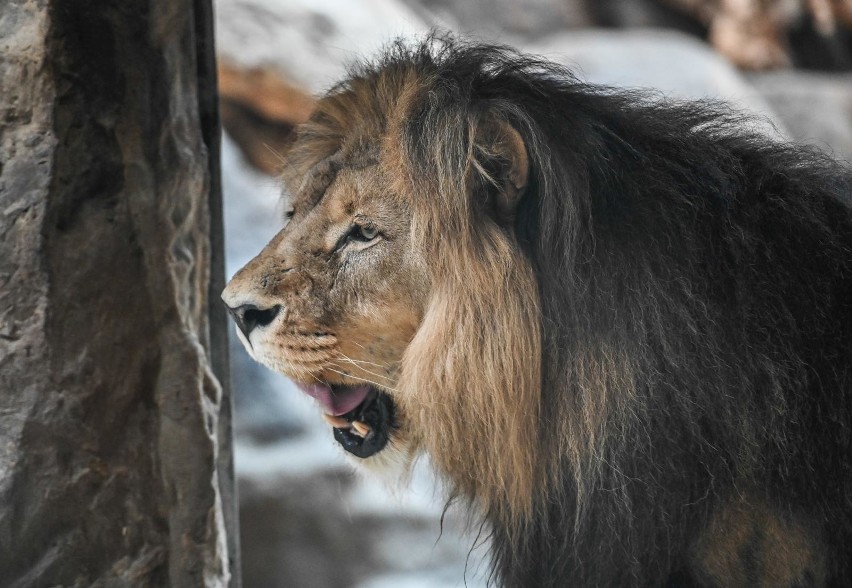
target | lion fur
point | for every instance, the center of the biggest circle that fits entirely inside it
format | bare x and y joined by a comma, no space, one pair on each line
660,327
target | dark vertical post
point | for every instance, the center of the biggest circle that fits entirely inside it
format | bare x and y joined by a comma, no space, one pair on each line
211,128
115,450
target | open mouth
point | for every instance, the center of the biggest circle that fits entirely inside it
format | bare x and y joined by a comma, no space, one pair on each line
362,416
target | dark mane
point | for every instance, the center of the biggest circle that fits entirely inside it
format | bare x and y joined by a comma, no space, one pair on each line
695,291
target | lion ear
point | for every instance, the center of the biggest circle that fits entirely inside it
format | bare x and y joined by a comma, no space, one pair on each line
508,148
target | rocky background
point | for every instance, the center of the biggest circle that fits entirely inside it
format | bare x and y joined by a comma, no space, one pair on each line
306,520
115,442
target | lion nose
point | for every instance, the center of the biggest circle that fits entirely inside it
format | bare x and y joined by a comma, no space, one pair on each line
249,316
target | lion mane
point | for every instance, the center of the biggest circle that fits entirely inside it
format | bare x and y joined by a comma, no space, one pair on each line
636,369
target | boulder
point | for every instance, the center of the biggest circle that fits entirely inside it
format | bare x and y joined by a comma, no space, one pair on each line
815,107
673,65
115,457
309,43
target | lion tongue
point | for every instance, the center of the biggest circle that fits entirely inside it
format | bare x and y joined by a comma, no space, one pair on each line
336,400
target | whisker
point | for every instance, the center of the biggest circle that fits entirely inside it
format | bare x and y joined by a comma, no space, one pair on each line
275,153
383,386
368,371
378,365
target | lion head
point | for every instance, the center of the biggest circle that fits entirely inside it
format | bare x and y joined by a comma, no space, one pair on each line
396,294
568,298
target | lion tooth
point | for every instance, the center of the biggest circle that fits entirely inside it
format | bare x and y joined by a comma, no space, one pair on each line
336,421
361,428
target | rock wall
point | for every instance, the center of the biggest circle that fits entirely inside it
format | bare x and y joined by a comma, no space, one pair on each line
115,459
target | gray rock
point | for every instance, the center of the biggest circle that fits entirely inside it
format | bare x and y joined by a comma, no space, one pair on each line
309,41
815,107
672,64
298,533
307,531
526,20
520,19
114,430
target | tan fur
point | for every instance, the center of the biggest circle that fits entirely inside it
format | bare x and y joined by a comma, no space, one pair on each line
750,544
471,401
479,402
602,404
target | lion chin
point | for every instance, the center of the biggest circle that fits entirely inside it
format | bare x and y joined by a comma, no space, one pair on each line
619,327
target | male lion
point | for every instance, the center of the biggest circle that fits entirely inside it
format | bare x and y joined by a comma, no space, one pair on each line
620,327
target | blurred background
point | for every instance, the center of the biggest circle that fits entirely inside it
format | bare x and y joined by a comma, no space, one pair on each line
306,519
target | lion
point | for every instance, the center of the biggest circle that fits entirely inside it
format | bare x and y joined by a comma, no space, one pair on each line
620,327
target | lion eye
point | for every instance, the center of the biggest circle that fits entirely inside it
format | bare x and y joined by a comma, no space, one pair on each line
364,232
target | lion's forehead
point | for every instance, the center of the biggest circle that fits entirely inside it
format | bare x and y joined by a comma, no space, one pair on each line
362,192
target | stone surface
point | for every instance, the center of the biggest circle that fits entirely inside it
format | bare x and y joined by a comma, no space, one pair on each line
816,108
521,19
527,20
672,64
259,109
115,462
306,532
309,42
